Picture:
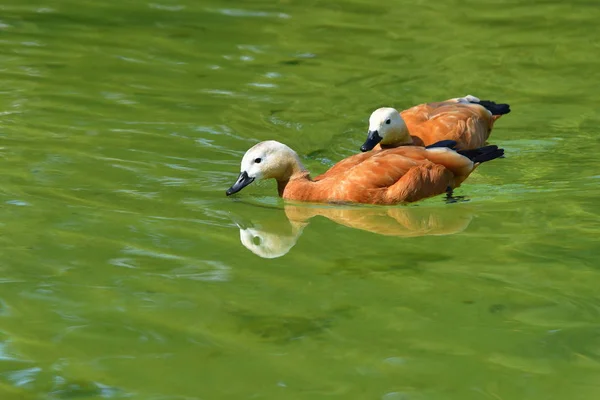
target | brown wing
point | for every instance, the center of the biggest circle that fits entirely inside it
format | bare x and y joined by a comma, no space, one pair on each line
421,182
343,165
370,181
468,124
423,112
391,176
418,114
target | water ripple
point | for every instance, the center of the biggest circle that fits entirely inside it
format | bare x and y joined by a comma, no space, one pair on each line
248,13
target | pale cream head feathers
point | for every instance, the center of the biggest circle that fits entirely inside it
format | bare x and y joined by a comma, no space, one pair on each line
387,127
268,159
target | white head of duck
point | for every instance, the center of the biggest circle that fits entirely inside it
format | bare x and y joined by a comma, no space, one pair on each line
268,159
386,126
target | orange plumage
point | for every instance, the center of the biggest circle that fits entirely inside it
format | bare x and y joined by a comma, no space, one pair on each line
392,176
468,124
467,120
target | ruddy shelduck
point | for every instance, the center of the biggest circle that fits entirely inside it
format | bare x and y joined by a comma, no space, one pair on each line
466,120
400,175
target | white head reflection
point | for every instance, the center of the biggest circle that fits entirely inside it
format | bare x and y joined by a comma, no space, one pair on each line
267,244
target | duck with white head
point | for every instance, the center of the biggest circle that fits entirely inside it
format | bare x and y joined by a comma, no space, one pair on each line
466,120
399,175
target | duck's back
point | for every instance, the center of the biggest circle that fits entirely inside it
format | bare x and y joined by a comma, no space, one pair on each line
344,165
468,124
397,175
381,177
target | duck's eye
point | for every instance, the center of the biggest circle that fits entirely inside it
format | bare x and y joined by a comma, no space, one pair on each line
388,121
257,160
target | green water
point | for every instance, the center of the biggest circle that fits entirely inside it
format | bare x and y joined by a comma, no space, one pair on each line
127,273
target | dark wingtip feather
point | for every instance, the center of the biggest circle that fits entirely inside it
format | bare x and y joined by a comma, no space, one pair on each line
475,152
483,154
493,107
492,155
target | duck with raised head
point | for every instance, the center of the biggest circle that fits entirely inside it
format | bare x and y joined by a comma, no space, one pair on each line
399,175
466,120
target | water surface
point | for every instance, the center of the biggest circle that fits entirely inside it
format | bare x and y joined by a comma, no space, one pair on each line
127,273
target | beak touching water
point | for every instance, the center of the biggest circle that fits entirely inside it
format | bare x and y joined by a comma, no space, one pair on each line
372,140
242,181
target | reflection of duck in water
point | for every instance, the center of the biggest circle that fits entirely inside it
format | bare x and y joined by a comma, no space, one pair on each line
275,236
396,221
270,238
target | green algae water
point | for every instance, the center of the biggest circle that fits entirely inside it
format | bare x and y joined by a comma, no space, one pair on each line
126,273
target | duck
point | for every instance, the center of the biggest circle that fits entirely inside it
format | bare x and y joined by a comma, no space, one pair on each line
466,120
386,177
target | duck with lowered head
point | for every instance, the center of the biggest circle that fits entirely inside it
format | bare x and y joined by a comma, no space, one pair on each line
399,175
466,120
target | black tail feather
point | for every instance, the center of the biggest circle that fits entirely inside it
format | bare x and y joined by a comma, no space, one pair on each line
479,155
493,107
483,154
475,152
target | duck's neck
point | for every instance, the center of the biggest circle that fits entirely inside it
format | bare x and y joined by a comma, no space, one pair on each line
296,178
294,171
400,137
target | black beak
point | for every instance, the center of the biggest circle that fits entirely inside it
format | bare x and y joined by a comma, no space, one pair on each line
242,181
372,139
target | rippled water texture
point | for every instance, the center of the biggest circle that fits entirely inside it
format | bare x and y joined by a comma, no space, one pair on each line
125,272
